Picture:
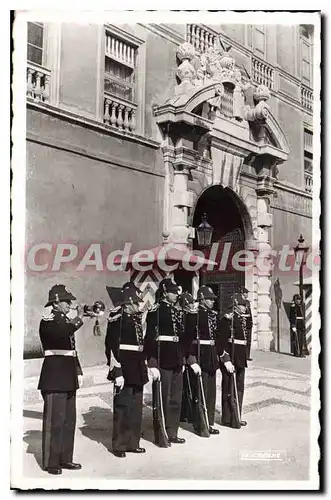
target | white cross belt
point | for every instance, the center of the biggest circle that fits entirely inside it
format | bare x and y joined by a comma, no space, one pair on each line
60,352
204,342
237,341
168,338
129,347
299,317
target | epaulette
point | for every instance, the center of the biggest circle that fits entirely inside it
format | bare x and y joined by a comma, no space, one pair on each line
115,309
112,319
48,317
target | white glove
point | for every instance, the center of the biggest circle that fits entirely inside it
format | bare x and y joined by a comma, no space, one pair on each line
183,368
294,328
155,374
119,382
229,366
196,368
80,380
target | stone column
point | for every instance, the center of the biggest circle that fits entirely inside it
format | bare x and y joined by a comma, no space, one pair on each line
264,222
182,200
168,157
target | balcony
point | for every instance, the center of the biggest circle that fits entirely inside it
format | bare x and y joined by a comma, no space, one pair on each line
119,113
200,37
262,73
38,82
307,97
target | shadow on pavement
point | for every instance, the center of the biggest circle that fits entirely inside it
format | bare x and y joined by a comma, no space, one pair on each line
33,440
33,414
98,425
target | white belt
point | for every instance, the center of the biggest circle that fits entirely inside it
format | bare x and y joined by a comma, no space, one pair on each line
237,341
299,317
168,338
130,347
60,352
204,342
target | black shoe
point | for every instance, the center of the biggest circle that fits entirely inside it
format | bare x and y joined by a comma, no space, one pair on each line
54,470
137,450
249,359
213,431
71,466
119,454
177,440
232,426
243,423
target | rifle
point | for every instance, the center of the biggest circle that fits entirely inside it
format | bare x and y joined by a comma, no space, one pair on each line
187,399
201,423
160,433
233,391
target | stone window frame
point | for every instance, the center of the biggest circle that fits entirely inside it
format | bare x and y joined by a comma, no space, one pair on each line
261,28
308,42
43,46
139,70
308,156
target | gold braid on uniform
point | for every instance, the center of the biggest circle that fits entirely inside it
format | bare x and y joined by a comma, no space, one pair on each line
177,319
212,324
138,327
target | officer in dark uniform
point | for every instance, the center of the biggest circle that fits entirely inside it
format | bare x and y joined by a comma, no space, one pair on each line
234,356
207,323
165,351
59,381
128,369
244,293
298,328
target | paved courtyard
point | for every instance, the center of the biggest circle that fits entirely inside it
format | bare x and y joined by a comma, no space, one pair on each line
275,445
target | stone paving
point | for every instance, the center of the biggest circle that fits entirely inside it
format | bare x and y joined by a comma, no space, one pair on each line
275,445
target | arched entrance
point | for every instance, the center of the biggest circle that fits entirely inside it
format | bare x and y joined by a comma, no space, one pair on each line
231,224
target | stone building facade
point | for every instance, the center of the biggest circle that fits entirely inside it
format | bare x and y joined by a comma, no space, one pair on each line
135,131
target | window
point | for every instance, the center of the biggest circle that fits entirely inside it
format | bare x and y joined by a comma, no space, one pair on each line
305,42
35,43
308,159
259,39
120,61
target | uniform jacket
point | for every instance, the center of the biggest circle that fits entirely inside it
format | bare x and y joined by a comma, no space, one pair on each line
239,357
165,319
297,316
249,321
126,329
59,373
208,322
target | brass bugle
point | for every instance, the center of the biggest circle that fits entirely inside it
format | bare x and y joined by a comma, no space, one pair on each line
97,309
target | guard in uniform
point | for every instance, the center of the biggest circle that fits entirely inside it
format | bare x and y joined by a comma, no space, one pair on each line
204,325
298,328
128,369
165,351
59,381
234,356
249,322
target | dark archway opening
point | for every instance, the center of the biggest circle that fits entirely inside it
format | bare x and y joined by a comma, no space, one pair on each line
231,226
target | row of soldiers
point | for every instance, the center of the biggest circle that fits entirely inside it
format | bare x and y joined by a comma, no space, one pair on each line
184,345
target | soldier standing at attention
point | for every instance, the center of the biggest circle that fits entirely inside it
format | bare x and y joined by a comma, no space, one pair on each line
128,370
233,359
249,322
205,327
164,349
59,380
298,328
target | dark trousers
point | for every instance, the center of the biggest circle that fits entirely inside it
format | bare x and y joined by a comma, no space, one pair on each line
226,406
171,387
128,407
209,389
299,342
59,422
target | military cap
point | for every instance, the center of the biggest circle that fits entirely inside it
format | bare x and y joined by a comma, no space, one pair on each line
185,299
132,286
205,292
243,289
168,285
59,293
130,296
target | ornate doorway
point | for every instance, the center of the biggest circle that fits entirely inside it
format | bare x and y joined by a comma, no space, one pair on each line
224,212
